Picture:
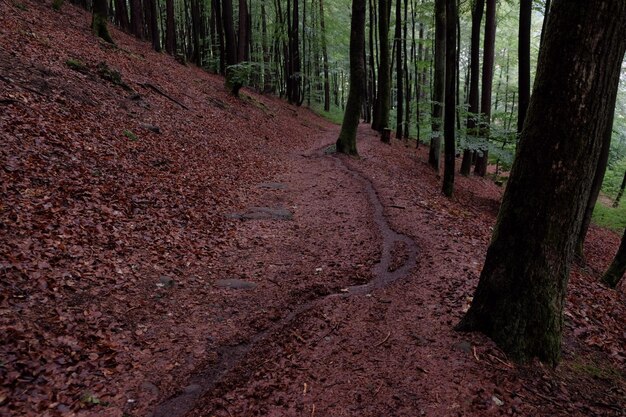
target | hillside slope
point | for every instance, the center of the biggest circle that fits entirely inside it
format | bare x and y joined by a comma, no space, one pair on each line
98,210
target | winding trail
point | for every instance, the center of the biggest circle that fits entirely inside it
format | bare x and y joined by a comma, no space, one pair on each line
385,272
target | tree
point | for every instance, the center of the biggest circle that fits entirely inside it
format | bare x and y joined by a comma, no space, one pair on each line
618,267
99,20
478,8
347,137
438,83
521,292
620,192
487,83
523,51
399,71
381,112
450,96
325,58
170,26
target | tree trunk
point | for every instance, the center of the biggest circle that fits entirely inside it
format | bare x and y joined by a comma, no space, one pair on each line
520,296
618,267
450,98
466,163
170,27
598,178
347,137
488,59
242,41
229,32
136,18
121,14
384,79
399,72
438,83
524,61
219,26
99,20
620,193
325,58
546,15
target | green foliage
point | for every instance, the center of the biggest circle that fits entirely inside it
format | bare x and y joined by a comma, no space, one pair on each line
335,115
239,75
57,4
76,65
612,218
130,135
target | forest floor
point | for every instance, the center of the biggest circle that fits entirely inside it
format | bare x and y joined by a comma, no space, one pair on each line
169,250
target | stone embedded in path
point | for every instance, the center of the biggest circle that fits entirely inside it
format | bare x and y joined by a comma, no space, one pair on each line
272,186
235,284
264,213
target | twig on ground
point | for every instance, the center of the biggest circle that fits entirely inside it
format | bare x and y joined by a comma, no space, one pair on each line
508,365
384,340
159,91
476,354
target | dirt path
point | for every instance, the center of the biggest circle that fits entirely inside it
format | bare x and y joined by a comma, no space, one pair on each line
354,301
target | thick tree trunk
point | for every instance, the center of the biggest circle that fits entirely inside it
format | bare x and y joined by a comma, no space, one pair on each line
438,83
121,14
520,296
524,61
244,35
546,15
347,137
450,95
99,20
136,18
170,26
618,267
229,32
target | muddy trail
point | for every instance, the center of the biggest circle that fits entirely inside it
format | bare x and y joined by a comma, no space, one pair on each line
367,327
398,257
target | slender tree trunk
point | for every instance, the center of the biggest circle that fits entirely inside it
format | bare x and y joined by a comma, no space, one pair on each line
347,137
488,60
450,103
521,293
399,71
596,185
407,79
384,79
121,14
438,83
616,271
546,15
524,61
325,58
474,109
219,26
620,193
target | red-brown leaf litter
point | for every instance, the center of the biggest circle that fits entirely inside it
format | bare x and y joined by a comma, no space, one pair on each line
167,249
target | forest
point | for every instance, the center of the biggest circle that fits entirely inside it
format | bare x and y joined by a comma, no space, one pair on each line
312,207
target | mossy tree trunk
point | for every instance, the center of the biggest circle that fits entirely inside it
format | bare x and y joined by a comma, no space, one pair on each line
347,137
99,20
618,267
520,296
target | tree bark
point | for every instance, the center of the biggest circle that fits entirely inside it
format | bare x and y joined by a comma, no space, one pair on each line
438,83
136,18
384,79
170,26
325,58
99,20
524,61
244,35
488,60
399,71
450,98
618,267
347,137
520,296
229,32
